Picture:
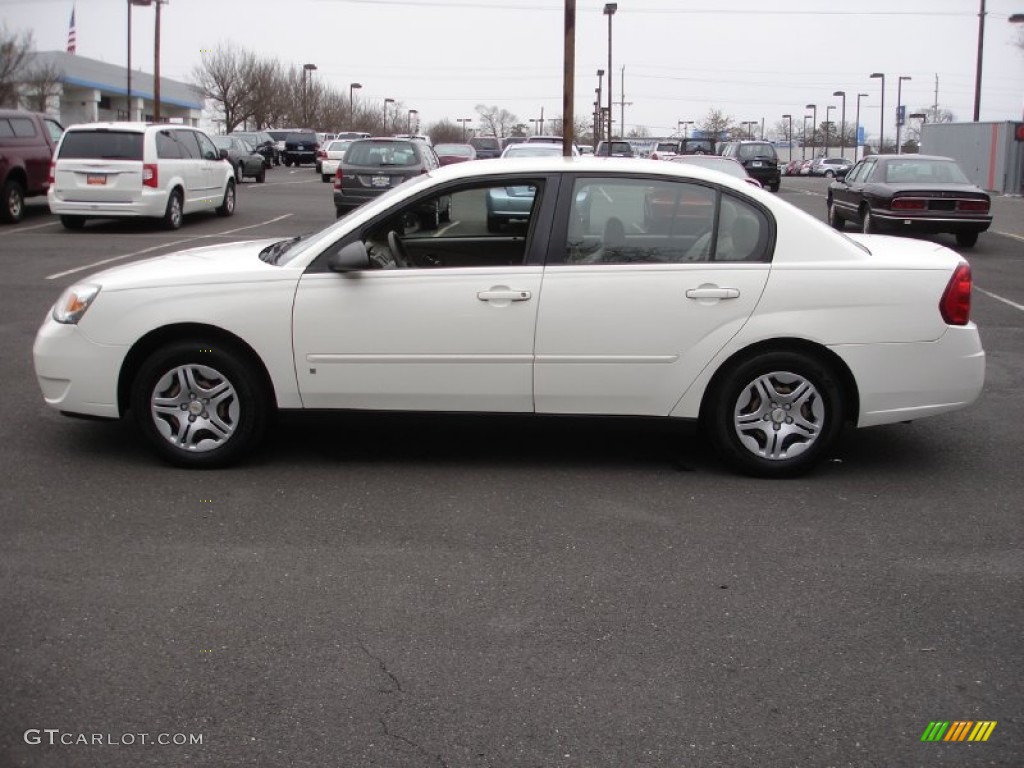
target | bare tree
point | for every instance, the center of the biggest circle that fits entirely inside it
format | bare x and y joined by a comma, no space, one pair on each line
224,77
935,114
445,132
42,83
639,132
14,53
716,124
266,106
496,120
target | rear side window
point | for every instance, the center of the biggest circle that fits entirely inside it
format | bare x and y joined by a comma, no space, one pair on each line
102,145
23,127
382,153
167,147
483,142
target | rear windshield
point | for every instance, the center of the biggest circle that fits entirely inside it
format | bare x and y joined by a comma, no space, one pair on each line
102,145
279,135
668,146
302,138
382,153
750,151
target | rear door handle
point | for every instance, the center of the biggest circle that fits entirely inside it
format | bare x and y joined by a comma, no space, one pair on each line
503,294
709,292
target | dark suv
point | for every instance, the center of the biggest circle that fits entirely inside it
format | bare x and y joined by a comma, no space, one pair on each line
27,141
486,147
760,160
300,147
614,149
373,166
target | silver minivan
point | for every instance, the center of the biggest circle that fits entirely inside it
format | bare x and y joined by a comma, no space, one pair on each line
111,170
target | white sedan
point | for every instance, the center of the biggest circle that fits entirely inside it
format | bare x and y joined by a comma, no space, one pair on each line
682,293
333,153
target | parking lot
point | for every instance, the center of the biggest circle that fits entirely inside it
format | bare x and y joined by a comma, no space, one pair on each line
466,591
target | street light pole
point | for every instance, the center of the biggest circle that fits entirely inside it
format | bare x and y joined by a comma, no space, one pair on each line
609,11
600,122
386,102
156,64
899,106
828,125
408,122
789,134
463,120
842,124
814,127
856,146
1016,18
803,143
310,68
881,122
352,104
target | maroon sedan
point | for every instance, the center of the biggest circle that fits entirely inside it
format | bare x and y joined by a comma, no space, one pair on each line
454,153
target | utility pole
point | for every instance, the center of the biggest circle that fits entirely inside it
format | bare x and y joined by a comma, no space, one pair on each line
622,101
935,106
977,72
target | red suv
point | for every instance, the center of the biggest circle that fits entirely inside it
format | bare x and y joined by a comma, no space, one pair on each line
27,141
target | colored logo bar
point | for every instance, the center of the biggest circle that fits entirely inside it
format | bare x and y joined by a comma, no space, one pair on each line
958,730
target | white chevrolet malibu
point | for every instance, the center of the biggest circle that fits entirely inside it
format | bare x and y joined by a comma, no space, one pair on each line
623,287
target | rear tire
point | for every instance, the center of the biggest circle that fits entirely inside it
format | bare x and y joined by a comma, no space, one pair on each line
13,208
774,187
239,173
868,225
966,239
72,222
834,219
173,215
325,178
775,414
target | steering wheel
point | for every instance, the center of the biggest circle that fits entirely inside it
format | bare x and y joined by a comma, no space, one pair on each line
398,251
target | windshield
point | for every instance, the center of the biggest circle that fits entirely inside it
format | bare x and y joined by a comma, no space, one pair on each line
750,151
532,150
382,153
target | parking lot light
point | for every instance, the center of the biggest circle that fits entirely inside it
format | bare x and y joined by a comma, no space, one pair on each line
881,122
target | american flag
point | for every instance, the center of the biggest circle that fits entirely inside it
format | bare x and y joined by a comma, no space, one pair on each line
71,32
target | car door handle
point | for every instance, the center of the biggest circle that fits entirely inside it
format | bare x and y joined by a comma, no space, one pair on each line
503,294
712,292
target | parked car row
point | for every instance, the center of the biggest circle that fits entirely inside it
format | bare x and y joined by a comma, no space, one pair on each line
829,167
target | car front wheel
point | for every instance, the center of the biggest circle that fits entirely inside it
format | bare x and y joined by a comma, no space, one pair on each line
228,206
966,239
868,225
834,219
173,213
199,404
775,414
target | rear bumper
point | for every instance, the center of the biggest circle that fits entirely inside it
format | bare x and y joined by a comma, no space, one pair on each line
151,203
932,223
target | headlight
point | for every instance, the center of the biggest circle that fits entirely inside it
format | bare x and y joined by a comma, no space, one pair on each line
74,302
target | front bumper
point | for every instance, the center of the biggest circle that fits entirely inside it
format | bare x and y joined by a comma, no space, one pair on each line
75,374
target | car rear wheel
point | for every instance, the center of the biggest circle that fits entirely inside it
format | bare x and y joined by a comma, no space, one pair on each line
325,178
173,213
774,187
228,206
829,174
966,239
775,414
834,219
199,403
287,162
13,202
868,225
72,222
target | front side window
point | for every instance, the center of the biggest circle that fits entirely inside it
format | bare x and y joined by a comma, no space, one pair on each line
624,221
206,147
480,225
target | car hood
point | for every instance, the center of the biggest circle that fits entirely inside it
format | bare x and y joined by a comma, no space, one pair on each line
224,263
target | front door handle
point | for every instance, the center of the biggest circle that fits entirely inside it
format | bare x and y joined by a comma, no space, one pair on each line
712,292
504,294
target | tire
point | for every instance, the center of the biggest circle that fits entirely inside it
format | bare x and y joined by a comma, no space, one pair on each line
775,187
325,178
239,173
867,222
834,219
966,239
261,177
754,428
287,162
173,215
13,208
227,208
72,222
199,403
829,175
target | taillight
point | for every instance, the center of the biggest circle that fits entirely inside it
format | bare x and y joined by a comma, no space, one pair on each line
52,180
150,176
337,178
955,304
908,204
975,206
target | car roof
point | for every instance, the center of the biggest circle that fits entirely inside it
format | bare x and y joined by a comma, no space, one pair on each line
909,156
126,126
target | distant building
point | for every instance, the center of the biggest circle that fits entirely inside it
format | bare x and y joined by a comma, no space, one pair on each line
87,91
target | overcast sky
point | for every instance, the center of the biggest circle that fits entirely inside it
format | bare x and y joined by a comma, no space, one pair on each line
681,57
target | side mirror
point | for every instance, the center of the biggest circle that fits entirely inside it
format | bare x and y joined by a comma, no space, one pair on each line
223,154
352,258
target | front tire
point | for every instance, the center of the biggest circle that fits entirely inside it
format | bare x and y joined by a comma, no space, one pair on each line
775,414
239,172
868,225
227,208
261,177
199,403
72,222
13,208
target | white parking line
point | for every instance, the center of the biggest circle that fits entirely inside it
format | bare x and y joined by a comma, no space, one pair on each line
318,180
192,239
17,230
1008,234
443,230
1013,304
